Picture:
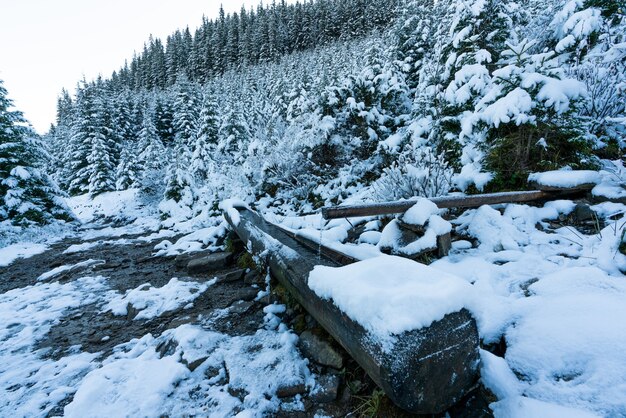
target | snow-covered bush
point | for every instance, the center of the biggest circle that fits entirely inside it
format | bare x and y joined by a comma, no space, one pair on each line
418,173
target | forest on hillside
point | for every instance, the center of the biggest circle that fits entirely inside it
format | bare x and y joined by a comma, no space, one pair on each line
304,105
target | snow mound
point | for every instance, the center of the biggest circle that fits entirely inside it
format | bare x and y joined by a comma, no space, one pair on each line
154,301
388,295
565,178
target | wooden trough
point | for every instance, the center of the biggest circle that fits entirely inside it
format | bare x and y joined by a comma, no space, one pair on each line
428,370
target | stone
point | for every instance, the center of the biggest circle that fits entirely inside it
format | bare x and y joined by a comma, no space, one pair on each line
193,365
253,277
231,276
583,212
241,307
319,351
210,263
291,390
326,390
166,348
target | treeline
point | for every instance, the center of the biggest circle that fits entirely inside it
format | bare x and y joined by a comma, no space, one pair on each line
236,40
467,96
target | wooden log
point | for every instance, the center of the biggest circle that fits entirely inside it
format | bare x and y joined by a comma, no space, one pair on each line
428,370
402,206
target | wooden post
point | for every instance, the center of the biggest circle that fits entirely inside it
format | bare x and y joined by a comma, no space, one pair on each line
429,369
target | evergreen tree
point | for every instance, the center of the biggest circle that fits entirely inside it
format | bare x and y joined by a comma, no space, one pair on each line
152,156
26,195
206,138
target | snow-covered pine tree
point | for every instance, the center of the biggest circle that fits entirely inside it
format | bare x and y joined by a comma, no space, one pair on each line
102,158
180,194
234,134
528,116
206,138
83,128
152,156
186,107
128,170
26,195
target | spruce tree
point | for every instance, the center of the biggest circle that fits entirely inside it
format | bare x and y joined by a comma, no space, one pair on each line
206,138
26,195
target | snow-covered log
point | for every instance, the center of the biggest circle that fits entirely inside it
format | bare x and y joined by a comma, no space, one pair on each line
442,202
426,370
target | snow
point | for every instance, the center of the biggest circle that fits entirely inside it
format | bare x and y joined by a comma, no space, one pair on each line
85,246
152,301
388,295
420,212
523,407
200,239
127,385
230,207
555,296
565,178
34,385
12,252
64,269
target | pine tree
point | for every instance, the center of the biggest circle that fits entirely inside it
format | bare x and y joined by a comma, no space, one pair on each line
26,195
152,156
206,138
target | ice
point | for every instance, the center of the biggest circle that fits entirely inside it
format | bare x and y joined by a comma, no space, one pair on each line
388,295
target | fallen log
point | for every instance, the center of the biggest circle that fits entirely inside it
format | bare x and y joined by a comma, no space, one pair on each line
428,370
443,202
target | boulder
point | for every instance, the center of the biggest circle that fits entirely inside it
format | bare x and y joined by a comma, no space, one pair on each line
210,263
231,276
326,390
319,351
288,391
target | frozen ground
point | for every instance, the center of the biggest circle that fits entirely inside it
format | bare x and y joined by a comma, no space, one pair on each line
97,325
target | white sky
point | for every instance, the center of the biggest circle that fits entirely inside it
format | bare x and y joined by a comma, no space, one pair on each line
46,45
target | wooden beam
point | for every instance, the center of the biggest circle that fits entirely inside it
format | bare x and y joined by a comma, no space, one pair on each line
402,206
427,371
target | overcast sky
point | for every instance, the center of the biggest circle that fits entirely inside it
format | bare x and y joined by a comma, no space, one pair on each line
46,45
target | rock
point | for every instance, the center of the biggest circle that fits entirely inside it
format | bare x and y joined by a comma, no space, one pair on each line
319,351
326,390
583,212
209,263
193,365
131,312
231,276
248,294
241,307
166,348
290,390
253,277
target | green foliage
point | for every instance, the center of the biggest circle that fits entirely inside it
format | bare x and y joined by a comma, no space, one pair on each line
515,151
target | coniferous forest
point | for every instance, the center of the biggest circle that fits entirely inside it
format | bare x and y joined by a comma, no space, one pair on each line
308,103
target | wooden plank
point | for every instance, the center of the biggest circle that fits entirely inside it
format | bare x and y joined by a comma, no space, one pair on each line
428,370
402,206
